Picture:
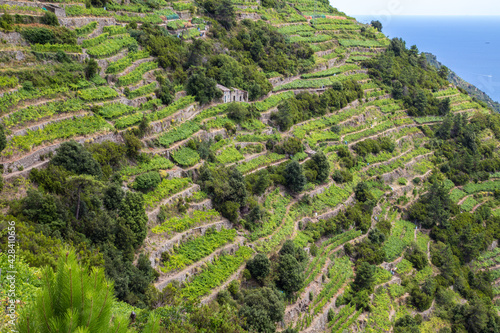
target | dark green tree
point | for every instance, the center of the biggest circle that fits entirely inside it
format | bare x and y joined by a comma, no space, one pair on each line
322,166
50,19
365,277
444,107
262,307
377,25
259,266
406,324
133,212
417,257
290,274
225,14
3,139
294,177
91,69
262,183
133,145
444,72
75,158
166,90
362,192
237,111
203,88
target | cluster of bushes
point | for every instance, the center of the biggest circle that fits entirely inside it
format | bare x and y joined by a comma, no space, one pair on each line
49,35
80,200
407,75
374,146
306,105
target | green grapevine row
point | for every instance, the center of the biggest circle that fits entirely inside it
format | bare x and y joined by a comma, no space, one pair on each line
186,157
188,220
136,75
198,248
120,65
166,188
215,274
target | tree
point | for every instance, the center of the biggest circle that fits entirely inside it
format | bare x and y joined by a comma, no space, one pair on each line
91,69
398,46
3,139
262,183
133,212
166,90
143,126
342,176
230,210
203,88
294,177
397,90
237,111
365,277
420,300
377,25
421,102
322,166
133,145
362,192
259,266
50,19
262,308
74,299
417,257
268,3
290,274
284,117
444,72
444,107
223,12
75,158
406,324
147,181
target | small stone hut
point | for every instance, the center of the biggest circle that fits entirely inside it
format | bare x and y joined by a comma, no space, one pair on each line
232,94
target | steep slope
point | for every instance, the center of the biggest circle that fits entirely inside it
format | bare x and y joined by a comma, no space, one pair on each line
362,180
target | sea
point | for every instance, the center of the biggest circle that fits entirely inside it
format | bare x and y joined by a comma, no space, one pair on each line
468,45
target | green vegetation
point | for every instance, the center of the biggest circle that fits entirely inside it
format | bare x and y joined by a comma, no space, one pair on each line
339,176
186,157
198,248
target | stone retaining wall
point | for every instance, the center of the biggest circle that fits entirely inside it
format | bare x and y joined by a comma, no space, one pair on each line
155,255
183,194
78,22
197,268
13,38
38,156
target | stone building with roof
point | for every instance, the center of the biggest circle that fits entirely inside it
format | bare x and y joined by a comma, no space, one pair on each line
232,94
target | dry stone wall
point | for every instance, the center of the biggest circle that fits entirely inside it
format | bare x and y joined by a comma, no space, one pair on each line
166,245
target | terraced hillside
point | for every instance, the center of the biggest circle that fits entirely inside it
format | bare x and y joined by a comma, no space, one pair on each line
344,186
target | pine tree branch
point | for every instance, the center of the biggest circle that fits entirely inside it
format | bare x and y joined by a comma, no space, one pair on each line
70,288
90,315
104,303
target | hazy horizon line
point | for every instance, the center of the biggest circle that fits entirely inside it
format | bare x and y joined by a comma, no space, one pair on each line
463,15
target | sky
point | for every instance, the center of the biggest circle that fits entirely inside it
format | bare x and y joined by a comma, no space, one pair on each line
417,7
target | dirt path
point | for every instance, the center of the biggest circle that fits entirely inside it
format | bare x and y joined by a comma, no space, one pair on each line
461,201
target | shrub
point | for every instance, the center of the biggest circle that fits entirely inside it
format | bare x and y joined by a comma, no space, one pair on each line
186,157
50,19
259,266
147,181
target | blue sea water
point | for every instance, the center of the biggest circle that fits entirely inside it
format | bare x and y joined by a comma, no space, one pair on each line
468,45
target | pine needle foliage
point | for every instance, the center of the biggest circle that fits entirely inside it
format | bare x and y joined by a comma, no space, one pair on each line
72,299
